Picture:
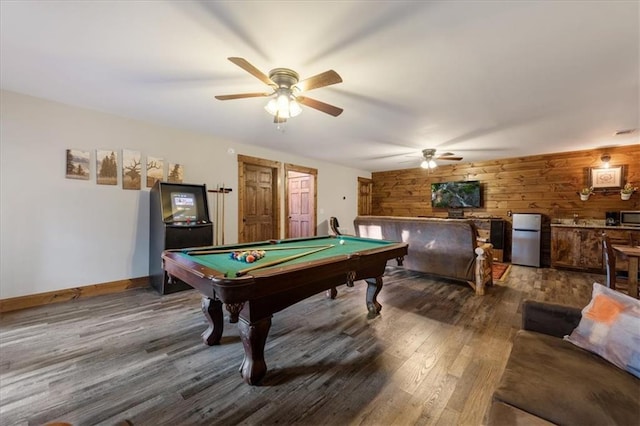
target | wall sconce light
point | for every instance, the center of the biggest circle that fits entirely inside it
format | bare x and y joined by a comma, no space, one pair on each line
605,160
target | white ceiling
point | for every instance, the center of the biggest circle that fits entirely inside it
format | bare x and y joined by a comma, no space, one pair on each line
483,79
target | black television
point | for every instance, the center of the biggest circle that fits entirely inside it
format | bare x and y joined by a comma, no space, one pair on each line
183,203
456,195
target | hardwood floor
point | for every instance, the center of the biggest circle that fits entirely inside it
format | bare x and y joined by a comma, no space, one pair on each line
434,356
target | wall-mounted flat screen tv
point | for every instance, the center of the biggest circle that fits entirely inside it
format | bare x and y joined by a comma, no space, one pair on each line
455,195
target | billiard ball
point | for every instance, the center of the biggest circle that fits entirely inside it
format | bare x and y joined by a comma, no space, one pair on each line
342,242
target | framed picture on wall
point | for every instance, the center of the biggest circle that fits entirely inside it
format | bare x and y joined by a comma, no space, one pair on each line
606,178
78,164
176,173
131,169
106,167
155,170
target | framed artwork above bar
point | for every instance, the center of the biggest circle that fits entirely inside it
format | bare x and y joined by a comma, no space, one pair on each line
603,178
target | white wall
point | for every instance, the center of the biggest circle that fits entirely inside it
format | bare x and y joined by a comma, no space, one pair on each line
59,233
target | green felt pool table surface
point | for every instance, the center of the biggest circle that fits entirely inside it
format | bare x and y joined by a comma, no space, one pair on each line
324,247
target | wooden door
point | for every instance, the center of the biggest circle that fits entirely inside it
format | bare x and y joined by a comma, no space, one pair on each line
258,200
365,188
300,206
301,201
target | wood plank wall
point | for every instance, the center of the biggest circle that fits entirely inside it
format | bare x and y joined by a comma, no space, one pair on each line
546,184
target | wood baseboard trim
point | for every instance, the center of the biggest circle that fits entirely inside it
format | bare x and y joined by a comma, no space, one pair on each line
40,299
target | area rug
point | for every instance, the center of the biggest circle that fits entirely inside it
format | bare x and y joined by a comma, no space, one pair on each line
499,271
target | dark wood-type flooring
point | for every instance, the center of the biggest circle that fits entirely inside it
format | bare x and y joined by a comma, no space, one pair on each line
433,356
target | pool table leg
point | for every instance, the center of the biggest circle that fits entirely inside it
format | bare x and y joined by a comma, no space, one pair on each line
254,337
374,285
212,310
331,293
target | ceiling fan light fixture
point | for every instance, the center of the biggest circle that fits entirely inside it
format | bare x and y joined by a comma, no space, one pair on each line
272,106
294,107
428,164
283,105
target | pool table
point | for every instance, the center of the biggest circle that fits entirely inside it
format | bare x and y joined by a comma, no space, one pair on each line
290,271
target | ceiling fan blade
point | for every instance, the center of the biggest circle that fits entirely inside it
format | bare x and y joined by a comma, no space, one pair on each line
446,154
326,78
245,65
241,95
320,106
449,158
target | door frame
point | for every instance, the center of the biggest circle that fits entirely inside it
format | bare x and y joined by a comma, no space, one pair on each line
308,171
276,189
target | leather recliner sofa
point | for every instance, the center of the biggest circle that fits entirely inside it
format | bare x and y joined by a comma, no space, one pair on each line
443,247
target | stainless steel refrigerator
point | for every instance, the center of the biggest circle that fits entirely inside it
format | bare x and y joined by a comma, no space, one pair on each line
525,242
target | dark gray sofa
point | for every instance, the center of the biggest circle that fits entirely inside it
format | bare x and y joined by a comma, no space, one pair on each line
548,380
444,247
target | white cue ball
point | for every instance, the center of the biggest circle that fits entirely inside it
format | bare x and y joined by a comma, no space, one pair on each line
341,242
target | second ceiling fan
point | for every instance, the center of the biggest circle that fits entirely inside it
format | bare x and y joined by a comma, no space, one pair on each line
286,89
430,158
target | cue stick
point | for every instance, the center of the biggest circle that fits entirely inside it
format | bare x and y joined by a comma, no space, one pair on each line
279,261
219,219
215,243
223,194
199,252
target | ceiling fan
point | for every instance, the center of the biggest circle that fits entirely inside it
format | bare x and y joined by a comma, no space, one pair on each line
430,158
286,88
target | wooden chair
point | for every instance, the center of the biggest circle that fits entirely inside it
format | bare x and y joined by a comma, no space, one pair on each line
614,276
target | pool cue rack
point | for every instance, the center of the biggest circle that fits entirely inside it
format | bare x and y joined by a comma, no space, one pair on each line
218,238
